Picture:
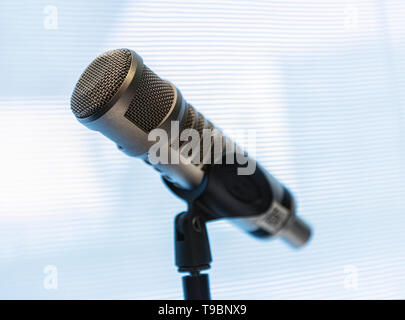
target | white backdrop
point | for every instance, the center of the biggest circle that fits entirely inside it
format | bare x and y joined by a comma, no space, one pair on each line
321,83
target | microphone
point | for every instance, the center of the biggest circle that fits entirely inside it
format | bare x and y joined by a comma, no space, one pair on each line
119,96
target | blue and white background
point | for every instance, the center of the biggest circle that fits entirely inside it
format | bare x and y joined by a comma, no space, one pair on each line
321,82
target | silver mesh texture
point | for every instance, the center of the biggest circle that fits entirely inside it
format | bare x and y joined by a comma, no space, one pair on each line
189,123
195,120
153,100
100,82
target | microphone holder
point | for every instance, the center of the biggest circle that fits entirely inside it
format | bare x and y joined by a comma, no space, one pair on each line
191,243
193,254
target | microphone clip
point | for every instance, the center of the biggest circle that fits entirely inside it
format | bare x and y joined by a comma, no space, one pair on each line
191,243
193,254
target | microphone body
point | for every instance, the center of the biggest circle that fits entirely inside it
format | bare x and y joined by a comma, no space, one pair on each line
123,99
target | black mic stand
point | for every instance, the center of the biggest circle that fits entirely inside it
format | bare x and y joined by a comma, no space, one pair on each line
192,252
191,243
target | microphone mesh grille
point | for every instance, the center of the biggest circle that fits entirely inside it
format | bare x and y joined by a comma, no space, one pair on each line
190,117
152,101
100,82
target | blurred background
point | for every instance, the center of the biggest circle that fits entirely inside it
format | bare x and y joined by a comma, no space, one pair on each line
321,82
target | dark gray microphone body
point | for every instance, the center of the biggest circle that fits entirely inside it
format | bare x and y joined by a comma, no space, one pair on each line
123,99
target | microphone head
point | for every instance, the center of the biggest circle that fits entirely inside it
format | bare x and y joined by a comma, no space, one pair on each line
109,77
100,82
124,100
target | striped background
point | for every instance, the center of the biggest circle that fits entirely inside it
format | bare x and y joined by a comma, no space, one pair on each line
320,82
